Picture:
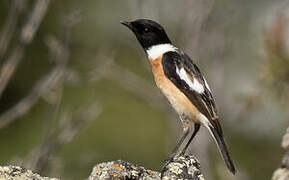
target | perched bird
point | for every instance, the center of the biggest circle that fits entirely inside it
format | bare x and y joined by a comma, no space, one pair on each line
181,81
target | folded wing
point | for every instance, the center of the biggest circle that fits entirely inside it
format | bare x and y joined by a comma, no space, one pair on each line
184,74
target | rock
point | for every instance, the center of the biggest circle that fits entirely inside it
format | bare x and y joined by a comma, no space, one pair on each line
281,174
183,167
19,173
285,140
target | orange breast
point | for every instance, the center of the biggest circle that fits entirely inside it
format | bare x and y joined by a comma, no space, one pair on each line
176,98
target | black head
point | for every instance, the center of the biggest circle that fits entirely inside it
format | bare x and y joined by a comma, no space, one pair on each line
147,32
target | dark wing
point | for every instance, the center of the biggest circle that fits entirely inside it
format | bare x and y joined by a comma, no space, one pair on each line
184,74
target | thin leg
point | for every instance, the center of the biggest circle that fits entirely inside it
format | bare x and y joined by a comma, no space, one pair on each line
176,149
197,127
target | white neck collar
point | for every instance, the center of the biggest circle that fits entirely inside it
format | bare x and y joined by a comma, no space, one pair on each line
157,50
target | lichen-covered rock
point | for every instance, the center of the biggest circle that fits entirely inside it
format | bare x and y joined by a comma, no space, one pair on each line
285,140
281,174
121,170
19,173
183,167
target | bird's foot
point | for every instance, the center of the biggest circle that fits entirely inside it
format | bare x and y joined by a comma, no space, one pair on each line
167,162
183,152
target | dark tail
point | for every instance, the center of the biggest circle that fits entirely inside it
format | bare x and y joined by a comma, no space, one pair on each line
223,149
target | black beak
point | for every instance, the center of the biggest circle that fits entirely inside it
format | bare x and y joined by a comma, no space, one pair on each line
127,24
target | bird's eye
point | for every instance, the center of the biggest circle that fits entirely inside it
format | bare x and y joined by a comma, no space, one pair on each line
146,30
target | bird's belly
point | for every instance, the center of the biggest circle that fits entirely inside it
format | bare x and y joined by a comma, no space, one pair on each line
177,99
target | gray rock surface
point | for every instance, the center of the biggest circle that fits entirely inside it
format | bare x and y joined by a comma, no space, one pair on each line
19,173
183,167
282,173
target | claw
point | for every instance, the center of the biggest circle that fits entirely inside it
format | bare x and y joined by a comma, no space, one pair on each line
163,171
167,162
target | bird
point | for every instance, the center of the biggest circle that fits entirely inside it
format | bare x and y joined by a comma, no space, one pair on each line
182,83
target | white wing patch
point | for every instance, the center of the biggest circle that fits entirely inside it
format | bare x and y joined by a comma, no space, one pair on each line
204,120
195,85
207,85
157,50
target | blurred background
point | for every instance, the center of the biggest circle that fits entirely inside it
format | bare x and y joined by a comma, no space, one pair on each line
76,88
